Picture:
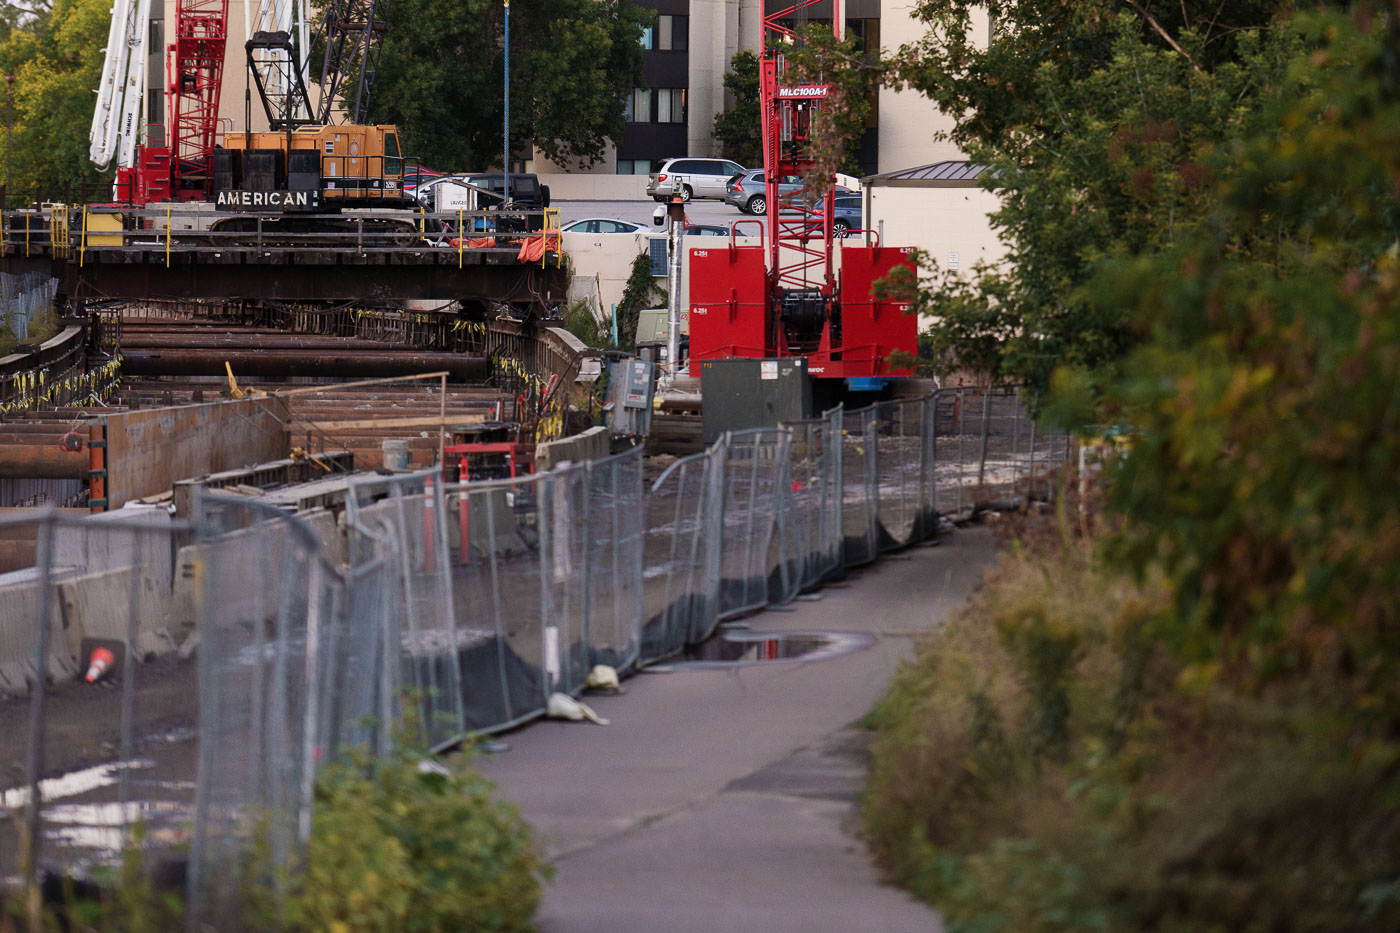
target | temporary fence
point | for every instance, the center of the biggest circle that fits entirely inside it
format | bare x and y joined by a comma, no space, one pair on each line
470,603
511,589
23,297
92,764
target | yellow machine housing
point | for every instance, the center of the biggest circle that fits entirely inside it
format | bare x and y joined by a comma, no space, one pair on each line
351,163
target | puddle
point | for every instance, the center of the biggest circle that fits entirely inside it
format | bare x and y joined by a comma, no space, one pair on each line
735,648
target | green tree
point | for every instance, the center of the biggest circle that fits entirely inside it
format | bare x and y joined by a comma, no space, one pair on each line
572,63
56,58
737,129
1266,394
1094,118
855,75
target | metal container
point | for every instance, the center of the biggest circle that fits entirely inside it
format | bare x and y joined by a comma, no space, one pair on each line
395,454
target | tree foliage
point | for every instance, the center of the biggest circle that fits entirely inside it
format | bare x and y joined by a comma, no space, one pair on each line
1094,125
1266,391
1205,223
737,128
56,58
572,62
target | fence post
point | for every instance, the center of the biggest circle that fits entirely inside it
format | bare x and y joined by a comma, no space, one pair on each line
986,427
35,763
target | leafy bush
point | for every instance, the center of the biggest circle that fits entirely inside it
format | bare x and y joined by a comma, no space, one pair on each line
580,321
1046,764
395,848
641,291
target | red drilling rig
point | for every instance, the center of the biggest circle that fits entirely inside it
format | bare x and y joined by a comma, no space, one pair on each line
183,170
784,297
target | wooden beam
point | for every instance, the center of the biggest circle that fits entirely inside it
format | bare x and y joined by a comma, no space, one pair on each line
422,421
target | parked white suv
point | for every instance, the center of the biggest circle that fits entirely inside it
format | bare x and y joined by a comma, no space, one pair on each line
699,178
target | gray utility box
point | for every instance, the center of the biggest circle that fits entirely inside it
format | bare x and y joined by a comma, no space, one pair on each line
631,394
738,394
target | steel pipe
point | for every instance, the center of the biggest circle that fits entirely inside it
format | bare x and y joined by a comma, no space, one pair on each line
41,461
289,363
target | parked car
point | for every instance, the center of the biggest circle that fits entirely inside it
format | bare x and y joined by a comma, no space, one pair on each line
698,178
602,225
415,175
847,214
749,191
482,192
526,192
706,230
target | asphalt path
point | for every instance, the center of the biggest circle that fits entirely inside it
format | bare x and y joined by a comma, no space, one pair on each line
727,800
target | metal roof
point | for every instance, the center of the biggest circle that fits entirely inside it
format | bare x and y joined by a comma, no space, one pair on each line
955,173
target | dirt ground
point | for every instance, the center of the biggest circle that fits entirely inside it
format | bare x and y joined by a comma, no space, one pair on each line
83,730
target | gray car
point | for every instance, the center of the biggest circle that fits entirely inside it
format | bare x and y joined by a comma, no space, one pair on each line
749,192
698,178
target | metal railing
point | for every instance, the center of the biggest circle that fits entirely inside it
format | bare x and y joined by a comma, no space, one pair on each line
171,232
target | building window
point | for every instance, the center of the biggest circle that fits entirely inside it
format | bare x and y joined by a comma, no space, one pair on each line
670,105
155,107
647,34
672,33
634,166
637,107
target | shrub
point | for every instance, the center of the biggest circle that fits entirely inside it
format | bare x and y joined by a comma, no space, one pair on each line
640,292
1046,764
580,321
396,848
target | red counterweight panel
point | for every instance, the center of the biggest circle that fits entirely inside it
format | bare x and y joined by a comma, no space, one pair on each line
870,329
727,307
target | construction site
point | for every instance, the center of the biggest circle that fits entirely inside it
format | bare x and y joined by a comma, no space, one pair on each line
303,452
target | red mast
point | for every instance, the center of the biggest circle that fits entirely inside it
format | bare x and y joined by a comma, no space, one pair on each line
800,233
195,64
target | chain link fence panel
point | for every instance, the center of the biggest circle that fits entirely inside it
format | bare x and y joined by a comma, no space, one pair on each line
95,712
810,519
681,554
474,600
755,464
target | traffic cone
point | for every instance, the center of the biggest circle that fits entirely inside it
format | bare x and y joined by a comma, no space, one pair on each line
99,664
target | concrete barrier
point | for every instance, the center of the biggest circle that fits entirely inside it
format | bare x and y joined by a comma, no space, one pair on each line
97,605
590,445
250,565
91,550
19,608
581,187
329,534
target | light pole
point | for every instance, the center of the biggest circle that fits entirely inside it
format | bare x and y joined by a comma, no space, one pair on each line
505,143
9,123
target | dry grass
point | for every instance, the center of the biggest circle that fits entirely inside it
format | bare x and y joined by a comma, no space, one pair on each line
1045,764
43,326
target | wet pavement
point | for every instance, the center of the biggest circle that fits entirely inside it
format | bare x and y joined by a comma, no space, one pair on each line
724,797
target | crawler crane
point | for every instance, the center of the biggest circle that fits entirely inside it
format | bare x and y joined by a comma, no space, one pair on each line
784,298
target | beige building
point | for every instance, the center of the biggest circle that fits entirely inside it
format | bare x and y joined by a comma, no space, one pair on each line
685,67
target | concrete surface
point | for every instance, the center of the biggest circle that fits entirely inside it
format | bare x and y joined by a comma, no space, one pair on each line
725,800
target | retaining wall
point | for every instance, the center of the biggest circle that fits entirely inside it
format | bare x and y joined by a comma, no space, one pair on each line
590,445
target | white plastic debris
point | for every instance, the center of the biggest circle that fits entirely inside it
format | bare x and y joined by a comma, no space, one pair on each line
563,706
603,677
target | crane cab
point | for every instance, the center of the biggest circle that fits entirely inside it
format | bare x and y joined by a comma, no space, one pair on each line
311,168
